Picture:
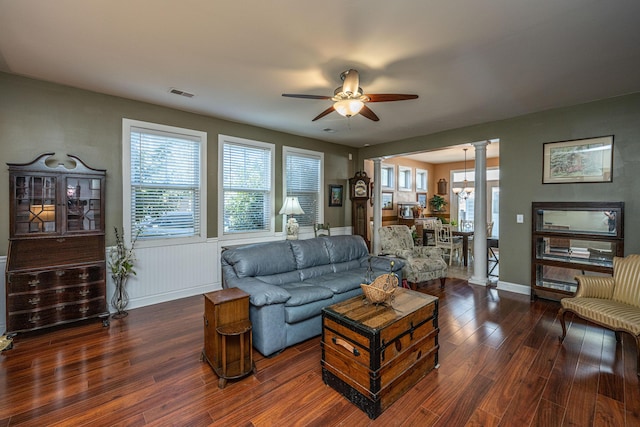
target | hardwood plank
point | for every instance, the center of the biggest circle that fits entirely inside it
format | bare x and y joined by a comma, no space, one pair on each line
522,408
461,412
481,418
631,381
582,399
127,375
564,369
506,385
547,414
611,368
609,412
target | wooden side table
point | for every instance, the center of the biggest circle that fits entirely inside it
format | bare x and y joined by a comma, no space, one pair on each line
227,334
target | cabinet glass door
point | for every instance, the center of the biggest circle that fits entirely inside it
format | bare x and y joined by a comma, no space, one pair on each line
35,204
83,203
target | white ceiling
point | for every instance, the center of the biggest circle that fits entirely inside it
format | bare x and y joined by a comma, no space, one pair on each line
469,61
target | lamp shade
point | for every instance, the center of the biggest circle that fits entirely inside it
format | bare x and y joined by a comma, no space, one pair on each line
291,206
42,213
348,107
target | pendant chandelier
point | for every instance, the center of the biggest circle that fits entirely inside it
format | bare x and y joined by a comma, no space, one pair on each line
466,190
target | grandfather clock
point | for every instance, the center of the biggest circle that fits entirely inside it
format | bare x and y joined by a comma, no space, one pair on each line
359,194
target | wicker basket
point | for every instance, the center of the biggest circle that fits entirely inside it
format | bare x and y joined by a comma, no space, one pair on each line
381,289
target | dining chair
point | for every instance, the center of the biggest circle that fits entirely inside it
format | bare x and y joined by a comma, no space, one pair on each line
446,241
466,225
489,231
321,230
430,224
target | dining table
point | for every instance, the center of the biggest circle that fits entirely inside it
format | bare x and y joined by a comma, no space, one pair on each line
455,232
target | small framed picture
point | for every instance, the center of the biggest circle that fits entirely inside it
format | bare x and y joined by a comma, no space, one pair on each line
387,200
421,198
336,192
578,161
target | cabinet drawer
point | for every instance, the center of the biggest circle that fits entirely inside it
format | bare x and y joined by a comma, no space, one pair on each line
58,314
41,253
53,297
43,280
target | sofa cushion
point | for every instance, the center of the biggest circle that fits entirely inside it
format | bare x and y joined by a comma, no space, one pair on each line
280,278
306,311
347,265
340,282
262,259
305,294
345,248
320,270
310,253
612,314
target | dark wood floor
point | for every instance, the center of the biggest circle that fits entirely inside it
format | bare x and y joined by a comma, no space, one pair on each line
500,364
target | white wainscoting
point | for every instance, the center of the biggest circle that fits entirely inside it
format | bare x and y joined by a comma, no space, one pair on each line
167,273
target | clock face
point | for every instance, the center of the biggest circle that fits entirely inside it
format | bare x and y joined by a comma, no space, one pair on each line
360,188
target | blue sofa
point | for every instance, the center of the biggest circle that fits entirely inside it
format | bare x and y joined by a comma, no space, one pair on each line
291,281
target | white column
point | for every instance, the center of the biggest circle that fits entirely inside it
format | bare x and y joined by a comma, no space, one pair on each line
479,276
377,206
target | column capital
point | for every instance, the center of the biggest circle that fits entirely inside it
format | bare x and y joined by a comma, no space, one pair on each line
481,143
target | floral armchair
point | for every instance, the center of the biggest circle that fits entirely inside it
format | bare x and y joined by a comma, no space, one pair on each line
422,263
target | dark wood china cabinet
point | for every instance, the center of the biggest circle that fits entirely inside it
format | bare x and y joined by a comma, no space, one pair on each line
56,266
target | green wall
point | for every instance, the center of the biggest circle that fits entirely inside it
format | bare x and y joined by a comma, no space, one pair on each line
38,117
521,145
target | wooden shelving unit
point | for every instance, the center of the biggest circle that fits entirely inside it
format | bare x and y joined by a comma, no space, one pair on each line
573,238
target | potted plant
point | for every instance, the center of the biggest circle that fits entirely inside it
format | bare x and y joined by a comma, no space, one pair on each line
437,203
121,262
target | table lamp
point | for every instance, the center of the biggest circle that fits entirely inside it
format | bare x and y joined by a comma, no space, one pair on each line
291,206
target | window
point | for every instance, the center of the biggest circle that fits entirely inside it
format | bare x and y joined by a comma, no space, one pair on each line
421,180
246,176
303,178
387,173
465,202
404,178
164,184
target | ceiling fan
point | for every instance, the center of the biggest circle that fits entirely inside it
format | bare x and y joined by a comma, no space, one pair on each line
349,99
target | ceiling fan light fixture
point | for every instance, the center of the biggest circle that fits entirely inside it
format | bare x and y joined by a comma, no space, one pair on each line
348,107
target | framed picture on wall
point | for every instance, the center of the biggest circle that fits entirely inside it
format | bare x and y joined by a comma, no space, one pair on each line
387,200
336,193
421,198
578,161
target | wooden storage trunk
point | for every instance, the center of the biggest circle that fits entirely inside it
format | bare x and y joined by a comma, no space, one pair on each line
372,354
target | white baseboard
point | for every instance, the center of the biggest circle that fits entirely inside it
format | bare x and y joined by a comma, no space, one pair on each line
514,287
170,296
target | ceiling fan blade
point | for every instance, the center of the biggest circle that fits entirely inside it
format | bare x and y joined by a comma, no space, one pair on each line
386,97
324,113
294,95
366,111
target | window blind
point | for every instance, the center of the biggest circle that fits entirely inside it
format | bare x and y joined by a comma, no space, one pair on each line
246,187
303,180
165,184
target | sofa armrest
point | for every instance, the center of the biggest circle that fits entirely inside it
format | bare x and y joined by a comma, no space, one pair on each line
384,263
595,287
260,293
